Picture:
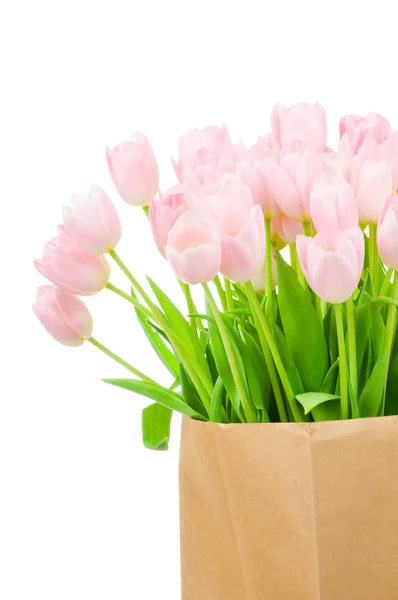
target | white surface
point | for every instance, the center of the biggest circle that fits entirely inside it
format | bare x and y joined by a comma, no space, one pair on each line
85,512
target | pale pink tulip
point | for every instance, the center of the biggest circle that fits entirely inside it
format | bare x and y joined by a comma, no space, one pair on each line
288,229
224,200
258,279
243,245
372,182
290,180
134,170
64,316
386,151
299,123
354,130
163,213
71,268
387,233
333,204
253,174
193,248
336,162
92,221
195,179
204,147
332,262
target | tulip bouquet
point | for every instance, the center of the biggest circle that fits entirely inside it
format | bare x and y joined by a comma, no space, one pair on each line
296,248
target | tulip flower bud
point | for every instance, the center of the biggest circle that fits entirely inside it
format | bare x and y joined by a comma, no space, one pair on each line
258,279
288,229
193,248
299,123
92,221
164,212
387,233
64,316
333,204
133,168
332,262
252,173
354,130
71,268
372,183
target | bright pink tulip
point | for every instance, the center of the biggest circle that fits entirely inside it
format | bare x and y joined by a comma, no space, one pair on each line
387,233
354,130
290,180
72,269
288,229
333,204
92,221
332,262
134,170
243,245
164,213
372,182
253,174
204,147
193,248
299,123
64,316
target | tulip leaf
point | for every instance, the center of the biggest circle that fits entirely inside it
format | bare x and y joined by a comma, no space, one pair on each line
372,394
156,420
302,328
366,290
216,402
157,393
329,383
189,393
392,388
288,362
362,328
311,400
261,367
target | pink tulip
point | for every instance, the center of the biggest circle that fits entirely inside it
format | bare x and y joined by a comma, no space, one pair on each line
387,233
195,179
64,316
253,174
354,130
92,221
164,213
204,147
243,245
134,170
258,279
224,200
71,268
386,151
290,180
372,182
332,262
288,229
333,204
299,123
336,162
193,248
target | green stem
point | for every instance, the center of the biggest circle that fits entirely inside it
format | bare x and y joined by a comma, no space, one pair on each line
119,360
228,294
307,228
221,292
195,322
268,269
374,257
352,348
230,352
391,328
267,342
386,282
318,307
130,299
343,362
131,278
293,257
146,211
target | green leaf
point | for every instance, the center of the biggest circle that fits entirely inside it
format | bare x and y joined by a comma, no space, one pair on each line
156,420
366,290
288,362
189,393
216,402
392,388
261,367
362,328
372,394
157,393
302,328
329,383
377,328
311,400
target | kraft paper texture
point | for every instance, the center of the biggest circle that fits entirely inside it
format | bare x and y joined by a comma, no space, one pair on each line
289,511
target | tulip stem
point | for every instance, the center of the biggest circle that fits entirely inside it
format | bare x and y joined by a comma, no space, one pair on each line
228,293
221,292
352,349
272,358
195,322
343,361
130,277
133,301
268,269
307,228
230,351
386,282
374,257
119,360
391,328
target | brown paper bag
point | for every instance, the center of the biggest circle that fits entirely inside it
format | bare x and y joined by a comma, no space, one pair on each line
290,511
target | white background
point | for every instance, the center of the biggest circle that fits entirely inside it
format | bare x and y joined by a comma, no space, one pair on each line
85,512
